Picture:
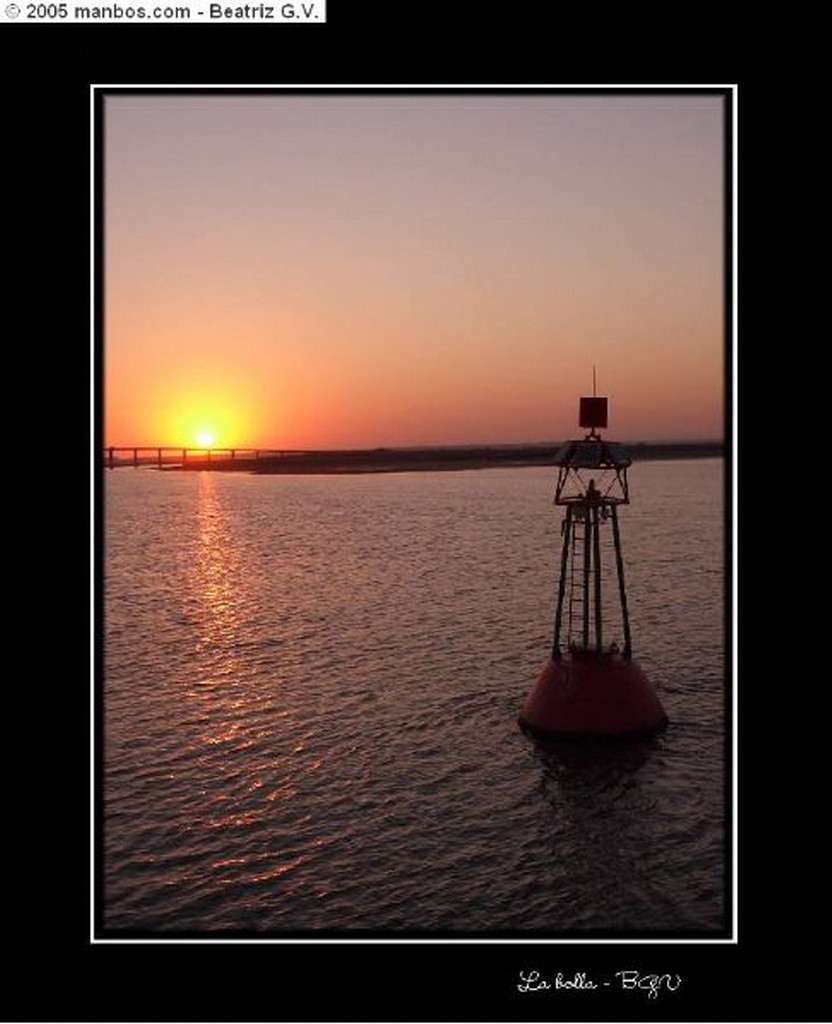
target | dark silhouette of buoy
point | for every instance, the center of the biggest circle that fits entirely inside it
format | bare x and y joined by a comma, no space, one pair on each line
588,687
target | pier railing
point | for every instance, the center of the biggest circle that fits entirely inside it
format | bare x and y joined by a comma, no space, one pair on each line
242,458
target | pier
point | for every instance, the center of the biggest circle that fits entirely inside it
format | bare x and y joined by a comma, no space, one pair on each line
167,457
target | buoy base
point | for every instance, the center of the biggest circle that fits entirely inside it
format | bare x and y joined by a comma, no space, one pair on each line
592,696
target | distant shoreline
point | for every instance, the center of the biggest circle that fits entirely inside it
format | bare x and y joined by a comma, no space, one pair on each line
406,460
434,459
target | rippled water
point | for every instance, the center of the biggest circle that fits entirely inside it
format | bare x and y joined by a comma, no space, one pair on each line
310,697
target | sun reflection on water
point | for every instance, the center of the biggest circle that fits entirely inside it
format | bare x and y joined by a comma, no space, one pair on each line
216,568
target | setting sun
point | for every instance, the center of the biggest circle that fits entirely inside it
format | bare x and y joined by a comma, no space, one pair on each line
203,413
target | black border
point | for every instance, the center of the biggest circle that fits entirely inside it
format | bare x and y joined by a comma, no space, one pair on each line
49,132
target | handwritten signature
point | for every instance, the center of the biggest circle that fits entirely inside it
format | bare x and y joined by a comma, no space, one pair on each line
651,984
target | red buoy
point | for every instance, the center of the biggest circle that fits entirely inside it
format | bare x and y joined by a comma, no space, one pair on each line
583,695
588,687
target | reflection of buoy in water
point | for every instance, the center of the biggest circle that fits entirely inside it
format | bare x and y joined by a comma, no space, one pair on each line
588,687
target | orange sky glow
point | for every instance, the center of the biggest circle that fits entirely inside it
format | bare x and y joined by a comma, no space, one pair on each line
336,270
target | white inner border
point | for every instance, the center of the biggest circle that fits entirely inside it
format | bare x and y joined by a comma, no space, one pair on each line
95,461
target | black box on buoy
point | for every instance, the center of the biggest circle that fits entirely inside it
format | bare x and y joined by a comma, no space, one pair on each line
593,412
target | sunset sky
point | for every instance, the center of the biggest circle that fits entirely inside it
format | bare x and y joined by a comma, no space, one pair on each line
337,270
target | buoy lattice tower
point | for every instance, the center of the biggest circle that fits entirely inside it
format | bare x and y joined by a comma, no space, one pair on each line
589,686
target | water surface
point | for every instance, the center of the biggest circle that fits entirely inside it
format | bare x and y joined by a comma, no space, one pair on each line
310,697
